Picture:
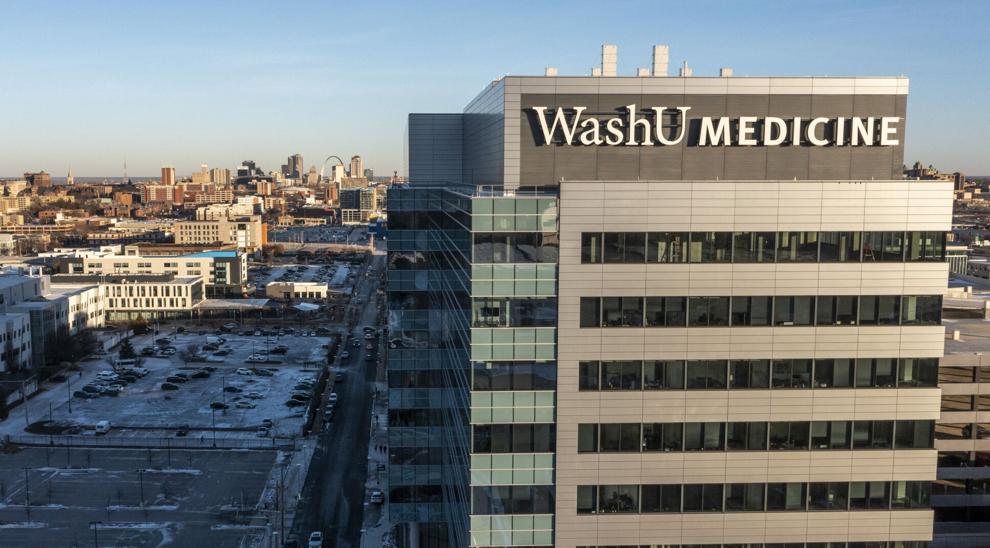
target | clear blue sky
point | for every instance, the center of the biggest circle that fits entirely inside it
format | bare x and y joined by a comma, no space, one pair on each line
89,84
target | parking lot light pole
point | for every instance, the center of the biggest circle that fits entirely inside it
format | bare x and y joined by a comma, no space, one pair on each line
140,472
214,426
96,537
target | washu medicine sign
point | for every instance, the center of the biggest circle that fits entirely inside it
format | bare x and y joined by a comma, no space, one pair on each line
669,126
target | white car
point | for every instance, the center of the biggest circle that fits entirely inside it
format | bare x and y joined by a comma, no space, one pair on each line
255,358
243,404
315,540
332,398
254,395
243,371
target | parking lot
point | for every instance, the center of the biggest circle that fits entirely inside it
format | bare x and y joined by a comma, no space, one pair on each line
252,392
328,234
336,274
135,498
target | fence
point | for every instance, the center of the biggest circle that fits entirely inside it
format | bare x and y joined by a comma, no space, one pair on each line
205,441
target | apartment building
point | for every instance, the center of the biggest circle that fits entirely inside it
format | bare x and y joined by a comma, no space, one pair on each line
147,296
658,311
248,233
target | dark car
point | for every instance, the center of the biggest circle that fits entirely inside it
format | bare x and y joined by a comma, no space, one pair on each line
162,342
300,397
219,405
233,389
92,389
295,403
263,373
200,374
339,377
169,386
176,378
84,395
182,431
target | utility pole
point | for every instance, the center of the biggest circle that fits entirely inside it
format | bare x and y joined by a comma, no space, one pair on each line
140,472
214,413
27,492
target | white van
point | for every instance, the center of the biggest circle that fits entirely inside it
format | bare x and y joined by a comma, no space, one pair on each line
102,427
124,363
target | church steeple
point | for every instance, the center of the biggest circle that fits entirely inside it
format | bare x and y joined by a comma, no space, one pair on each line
70,180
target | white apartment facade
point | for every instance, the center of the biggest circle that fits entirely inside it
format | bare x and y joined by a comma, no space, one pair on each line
225,272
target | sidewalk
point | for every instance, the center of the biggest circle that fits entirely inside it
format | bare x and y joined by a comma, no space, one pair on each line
294,466
375,529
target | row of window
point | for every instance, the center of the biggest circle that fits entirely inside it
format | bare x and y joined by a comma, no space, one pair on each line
760,247
864,544
754,436
513,312
513,438
753,497
758,374
965,402
512,499
957,374
486,376
515,247
762,311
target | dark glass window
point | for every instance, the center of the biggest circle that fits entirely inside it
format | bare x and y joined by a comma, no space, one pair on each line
591,315
753,311
622,311
618,499
840,247
911,494
828,496
797,247
513,438
876,372
879,310
515,247
914,434
837,310
663,375
711,247
660,437
835,373
588,376
625,247
708,311
667,247
746,436
926,246
706,374
869,495
587,438
784,497
703,497
619,438
830,435
789,436
749,374
661,498
753,247
704,436
591,247
791,373
587,499
873,434
622,375
917,372
514,312
883,246
794,310
744,497
514,376
666,311
921,310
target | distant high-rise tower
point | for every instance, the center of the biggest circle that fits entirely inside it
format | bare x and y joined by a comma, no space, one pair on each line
168,175
295,167
357,166
41,179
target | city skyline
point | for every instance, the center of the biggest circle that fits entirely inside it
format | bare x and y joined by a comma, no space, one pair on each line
214,89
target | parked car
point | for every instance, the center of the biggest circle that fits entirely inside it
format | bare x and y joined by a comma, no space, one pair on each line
267,422
140,371
345,354
201,374
339,377
300,397
244,404
83,395
294,403
377,497
148,351
332,397
263,373
262,432
169,386
182,431
243,371
219,405
113,390
232,389
93,389
175,379
315,540
169,350
256,358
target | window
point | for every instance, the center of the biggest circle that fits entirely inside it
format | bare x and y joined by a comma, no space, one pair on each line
704,436
622,311
660,437
661,498
791,374
957,402
914,434
618,499
926,246
839,310
587,438
879,310
830,435
789,436
624,375
591,247
587,499
917,372
873,434
869,495
711,247
591,312
703,497
751,310
787,497
512,438
835,373
911,494
708,311
619,438
921,310
744,497
588,376
666,311
663,375
667,247
749,374
956,374
828,496
797,247
840,247
753,247
625,247
883,246
706,374
794,310
746,436
876,372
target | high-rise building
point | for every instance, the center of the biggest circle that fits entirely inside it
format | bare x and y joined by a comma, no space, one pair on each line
357,167
659,311
41,179
168,175
295,167
220,176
